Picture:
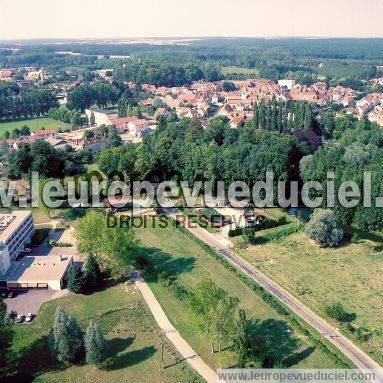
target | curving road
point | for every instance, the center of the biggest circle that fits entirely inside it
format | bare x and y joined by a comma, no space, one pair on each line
349,349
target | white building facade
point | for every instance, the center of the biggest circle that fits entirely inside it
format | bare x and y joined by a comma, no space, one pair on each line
16,230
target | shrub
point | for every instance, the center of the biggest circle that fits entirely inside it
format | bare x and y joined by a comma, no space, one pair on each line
324,229
337,312
235,232
249,234
363,333
355,238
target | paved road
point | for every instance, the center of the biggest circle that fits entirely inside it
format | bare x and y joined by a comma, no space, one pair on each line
172,334
349,349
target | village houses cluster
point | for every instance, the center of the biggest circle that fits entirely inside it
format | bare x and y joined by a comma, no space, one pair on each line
200,99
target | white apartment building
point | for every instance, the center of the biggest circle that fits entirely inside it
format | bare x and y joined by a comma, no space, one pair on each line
16,230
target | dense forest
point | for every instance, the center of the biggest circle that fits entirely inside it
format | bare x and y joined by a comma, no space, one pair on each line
303,59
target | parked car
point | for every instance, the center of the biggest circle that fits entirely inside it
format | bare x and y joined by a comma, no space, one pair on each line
29,317
20,319
12,294
4,293
26,250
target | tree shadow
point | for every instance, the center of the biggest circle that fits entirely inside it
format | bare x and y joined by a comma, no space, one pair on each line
32,361
260,240
129,358
153,261
298,357
271,341
117,345
348,317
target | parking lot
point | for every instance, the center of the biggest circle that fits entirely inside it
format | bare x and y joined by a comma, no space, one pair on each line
29,301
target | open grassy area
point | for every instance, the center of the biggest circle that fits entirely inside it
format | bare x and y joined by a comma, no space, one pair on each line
181,255
238,70
33,124
350,274
134,342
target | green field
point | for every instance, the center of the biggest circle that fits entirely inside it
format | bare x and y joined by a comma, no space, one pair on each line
133,335
181,255
33,124
238,70
351,274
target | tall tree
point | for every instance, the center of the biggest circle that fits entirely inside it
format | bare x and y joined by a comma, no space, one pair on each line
76,279
256,116
92,273
65,337
114,247
241,338
95,344
215,312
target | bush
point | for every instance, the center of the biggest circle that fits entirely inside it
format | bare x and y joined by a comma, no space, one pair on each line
324,229
249,234
337,312
235,232
355,238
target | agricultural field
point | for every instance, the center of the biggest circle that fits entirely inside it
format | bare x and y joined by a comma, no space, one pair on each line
182,256
133,335
33,124
350,274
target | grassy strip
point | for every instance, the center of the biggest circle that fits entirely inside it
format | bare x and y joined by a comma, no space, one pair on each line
325,346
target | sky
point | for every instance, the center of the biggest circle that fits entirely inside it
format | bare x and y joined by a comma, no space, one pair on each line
27,19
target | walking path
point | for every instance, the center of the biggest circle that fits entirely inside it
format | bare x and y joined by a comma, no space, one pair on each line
172,334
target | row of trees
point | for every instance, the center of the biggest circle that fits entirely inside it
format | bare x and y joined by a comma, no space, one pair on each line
283,116
68,116
29,102
68,343
216,313
266,344
101,93
165,74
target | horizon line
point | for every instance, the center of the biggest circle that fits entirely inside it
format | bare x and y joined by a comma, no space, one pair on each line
275,37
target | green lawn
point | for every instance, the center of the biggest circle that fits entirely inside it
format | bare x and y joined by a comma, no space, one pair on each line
238,70
134,339
351,274
33,124
184,257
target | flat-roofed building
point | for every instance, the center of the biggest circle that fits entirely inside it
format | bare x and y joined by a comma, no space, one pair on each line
47,271
16,230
